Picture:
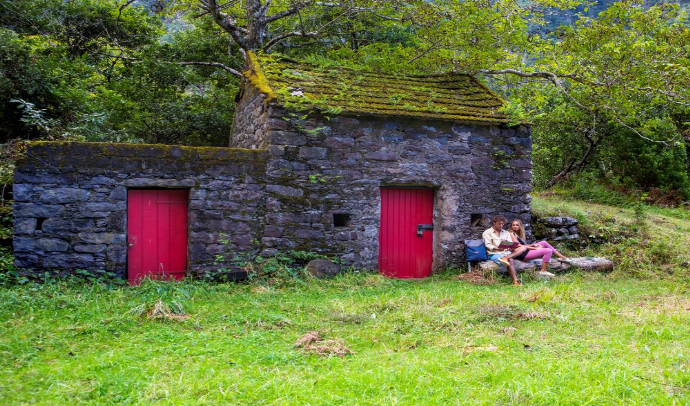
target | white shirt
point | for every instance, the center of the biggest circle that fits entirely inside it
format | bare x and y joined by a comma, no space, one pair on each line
492,240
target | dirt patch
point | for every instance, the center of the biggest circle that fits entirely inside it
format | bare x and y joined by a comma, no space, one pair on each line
350,318
511,313
665,304
443,302
475,278
313,343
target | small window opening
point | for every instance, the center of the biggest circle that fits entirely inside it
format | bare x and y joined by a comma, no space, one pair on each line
341,219
475,220
39,222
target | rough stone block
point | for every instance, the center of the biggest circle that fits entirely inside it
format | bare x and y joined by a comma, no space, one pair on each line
90,248
288,138
308,234
68,261
64,195
273,231
24,226
276,150
242,241
22,209
102,238
118,193
322,268
104,206
313,153
116,222
28,261
60,226
22,192
339,143
284,190
381,156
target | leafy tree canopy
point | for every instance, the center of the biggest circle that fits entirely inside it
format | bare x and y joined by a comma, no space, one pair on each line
166,70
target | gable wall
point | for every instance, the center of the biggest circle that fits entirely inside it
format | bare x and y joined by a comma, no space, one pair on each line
250,125
319,166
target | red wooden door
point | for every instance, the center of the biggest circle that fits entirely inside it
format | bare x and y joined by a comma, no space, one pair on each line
156,233
405,235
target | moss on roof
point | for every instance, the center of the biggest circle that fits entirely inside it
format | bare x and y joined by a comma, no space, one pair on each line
450,96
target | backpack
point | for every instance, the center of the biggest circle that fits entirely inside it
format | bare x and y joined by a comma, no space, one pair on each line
475,251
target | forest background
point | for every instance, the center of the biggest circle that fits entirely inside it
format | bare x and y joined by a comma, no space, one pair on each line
605,84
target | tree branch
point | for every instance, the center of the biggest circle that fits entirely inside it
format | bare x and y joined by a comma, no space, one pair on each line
541,75
575,164
286,13
225,22
281,37
236,73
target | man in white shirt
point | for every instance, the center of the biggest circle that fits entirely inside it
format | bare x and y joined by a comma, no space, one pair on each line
492,239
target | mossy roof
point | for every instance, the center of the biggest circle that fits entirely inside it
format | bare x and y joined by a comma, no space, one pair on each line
298,86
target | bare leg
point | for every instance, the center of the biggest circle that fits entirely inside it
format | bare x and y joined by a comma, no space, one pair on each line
513,274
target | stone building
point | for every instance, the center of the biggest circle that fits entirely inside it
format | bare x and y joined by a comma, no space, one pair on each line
383,172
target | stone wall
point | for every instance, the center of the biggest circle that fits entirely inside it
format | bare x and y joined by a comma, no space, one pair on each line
324,167
71,200
557,229
249,128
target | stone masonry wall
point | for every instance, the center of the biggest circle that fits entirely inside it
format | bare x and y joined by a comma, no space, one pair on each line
249,128
71,201
324,167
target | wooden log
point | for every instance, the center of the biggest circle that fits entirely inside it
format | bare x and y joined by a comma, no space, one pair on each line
591,264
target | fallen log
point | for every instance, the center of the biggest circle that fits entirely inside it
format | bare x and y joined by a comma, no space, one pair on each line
589,264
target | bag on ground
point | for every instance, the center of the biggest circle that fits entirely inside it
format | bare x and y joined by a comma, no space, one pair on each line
475,250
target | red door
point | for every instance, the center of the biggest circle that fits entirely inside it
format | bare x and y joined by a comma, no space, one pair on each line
406,232
156,233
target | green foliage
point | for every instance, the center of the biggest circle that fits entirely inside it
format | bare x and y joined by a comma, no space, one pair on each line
95,71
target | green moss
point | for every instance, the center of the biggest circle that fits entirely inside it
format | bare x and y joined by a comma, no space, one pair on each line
256,76
301,87
104,149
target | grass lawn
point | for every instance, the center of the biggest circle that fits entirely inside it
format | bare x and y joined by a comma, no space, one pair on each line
581,339
622,338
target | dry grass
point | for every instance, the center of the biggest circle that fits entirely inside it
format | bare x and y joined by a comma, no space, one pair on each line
476,278
511,313
159,311
313,343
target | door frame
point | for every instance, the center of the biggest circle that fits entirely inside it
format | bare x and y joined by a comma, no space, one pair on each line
434,221
187,229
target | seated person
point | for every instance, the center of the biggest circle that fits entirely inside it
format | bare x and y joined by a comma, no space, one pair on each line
492,239
528,252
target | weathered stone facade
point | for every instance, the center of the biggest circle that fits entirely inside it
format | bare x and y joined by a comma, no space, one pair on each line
71,201
324,166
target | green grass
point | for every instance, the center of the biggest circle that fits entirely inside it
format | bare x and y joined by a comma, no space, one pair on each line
620,338
580,339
